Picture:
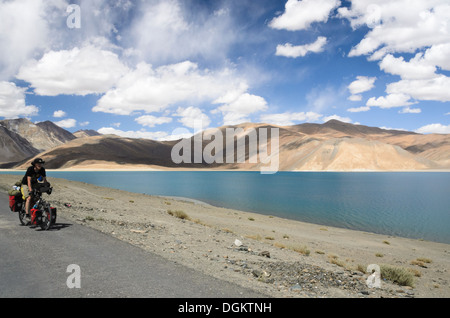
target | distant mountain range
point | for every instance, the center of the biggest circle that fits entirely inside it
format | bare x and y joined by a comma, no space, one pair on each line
332,146
20,139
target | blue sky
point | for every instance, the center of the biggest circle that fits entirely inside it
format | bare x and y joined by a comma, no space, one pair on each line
156,69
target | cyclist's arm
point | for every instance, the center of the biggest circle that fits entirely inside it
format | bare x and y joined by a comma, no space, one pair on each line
44,175
29,184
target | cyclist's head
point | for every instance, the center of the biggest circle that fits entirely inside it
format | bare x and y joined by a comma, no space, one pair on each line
38,162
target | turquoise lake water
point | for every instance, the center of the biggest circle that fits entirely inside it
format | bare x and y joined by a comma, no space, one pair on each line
407,204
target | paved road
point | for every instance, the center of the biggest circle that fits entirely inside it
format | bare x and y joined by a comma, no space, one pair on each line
33,263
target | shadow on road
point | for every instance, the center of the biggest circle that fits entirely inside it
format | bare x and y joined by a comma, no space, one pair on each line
55,227
59,226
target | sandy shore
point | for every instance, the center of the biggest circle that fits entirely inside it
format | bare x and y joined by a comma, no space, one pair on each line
278,257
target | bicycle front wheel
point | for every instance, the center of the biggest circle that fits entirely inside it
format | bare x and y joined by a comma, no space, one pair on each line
23,217
46,219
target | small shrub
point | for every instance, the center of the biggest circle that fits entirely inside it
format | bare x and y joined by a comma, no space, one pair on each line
361,268
421,261
200,222
303,249
338,262
424,260
256,237
333,259
279,245
399,275
415,272
179,214
418,263
379,254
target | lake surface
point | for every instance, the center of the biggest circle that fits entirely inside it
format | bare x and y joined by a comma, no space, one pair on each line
408,204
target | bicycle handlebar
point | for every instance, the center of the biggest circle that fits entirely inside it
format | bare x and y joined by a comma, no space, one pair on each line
38,191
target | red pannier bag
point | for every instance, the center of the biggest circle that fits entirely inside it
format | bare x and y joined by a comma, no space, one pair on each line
15,203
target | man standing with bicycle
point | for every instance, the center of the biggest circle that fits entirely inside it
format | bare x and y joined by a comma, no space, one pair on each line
33,174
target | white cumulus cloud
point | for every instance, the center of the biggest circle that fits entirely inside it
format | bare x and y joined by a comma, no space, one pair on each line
434,129
398,26
409,110
359,109
152,121
140,134
434,89
79,71
361,85
300,14
27,27
193,117
12,102
66,123
143,134
236,108
355,98
153,90
288,50
289,118
389,101
404,27
416,68
59,114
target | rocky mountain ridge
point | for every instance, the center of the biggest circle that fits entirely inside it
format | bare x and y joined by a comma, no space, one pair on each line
332,146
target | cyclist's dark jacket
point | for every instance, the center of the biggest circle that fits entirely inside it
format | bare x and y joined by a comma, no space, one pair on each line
34,175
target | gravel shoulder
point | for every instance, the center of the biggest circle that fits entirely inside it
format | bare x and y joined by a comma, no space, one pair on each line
271,255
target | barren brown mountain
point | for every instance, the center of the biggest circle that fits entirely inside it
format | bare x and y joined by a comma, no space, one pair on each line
20,139
42,136
14,147
333,146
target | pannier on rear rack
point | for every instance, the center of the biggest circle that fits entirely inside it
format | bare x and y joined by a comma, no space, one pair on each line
15,198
